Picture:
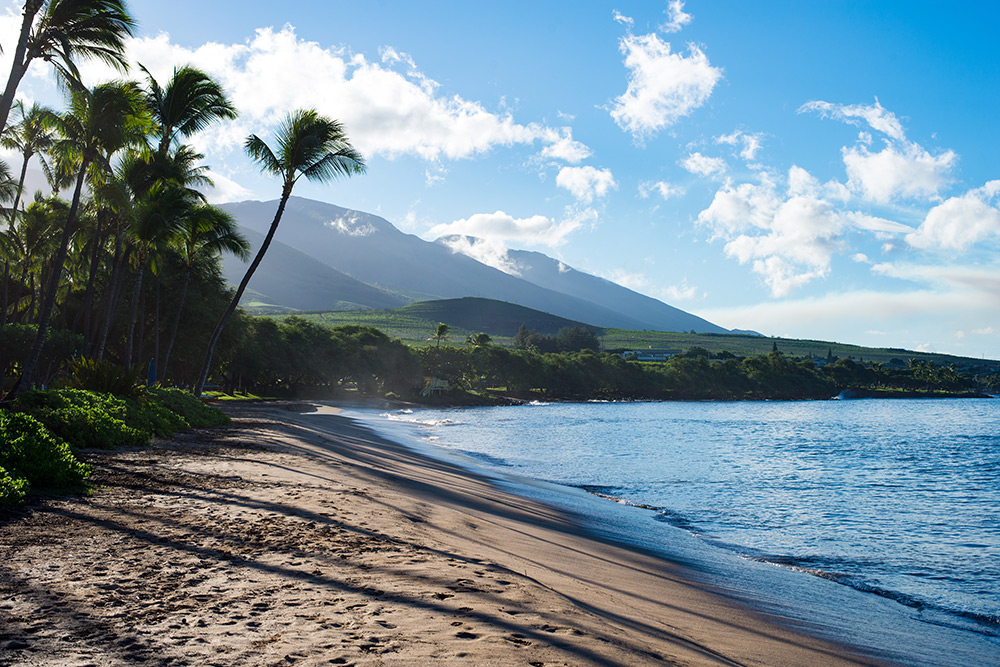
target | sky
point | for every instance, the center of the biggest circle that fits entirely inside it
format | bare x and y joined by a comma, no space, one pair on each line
803,169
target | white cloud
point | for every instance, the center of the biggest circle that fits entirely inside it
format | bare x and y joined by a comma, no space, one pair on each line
663,86
682,292
664,189
986,331
566,149
901,170
225,190
388,107
586,182
907,171
352,225
788,238
874,115
860,258
490,252
500,226
676,17
702,165
748,144
961,221
621,18
960,334
984,281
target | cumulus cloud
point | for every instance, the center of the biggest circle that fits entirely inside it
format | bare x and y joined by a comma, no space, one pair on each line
387,105
491,252
961,221
663,86
902,169
985,331
676,17
664,189
747,144
500,226
566,149
702,165
682,292
788,235
586,183
225,190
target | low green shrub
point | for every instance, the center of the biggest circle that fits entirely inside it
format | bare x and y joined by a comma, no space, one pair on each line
188,406
85,418
31,451
13,488
151,416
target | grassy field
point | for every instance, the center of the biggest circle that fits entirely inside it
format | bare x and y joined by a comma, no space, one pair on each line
416,323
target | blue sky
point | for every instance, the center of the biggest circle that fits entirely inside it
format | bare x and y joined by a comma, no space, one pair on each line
804,169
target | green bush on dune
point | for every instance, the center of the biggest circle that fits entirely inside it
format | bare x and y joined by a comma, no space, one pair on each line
38,438
29,451
13,488
196,413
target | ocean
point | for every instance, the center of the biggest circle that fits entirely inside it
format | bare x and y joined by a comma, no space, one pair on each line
873,519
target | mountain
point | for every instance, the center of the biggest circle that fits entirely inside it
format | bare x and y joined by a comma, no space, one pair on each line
552,274
370,249
292,279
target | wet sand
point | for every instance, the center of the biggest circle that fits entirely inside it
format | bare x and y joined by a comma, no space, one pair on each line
300,537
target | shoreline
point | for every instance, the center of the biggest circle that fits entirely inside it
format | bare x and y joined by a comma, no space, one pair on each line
301,537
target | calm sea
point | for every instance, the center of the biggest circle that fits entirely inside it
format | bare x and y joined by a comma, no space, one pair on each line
899,499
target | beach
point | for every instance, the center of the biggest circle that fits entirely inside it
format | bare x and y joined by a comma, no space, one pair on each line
298,536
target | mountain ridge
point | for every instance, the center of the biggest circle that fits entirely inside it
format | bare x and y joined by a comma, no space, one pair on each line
369,249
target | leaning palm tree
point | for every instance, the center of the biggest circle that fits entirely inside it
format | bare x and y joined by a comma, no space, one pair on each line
62,31
97,123
309,145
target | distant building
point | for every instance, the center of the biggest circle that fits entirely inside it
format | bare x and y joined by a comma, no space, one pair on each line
652,354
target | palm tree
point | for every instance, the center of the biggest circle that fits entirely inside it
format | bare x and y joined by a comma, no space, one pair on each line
206,232
34,133
97,123
65,31
309,145
190,102
441,333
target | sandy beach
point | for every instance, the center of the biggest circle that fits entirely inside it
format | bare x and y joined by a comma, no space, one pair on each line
297,536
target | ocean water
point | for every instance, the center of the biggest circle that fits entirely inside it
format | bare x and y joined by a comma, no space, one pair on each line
883,515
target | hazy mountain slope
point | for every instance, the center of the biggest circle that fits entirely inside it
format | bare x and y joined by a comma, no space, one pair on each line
552,274
372,250
288,277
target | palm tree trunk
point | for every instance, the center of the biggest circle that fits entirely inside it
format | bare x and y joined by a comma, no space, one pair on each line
18,67
286,192
27,375
88,295
177,322
6,277
20,188
114,305
136,292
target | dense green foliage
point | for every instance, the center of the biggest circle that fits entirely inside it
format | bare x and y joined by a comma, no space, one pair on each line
43,429
31,452
194,412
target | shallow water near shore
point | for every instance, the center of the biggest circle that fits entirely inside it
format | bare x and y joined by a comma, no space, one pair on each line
893,504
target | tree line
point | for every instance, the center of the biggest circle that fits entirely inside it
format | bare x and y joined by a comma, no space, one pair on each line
295,356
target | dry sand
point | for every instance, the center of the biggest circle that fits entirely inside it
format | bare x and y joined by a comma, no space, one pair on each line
298,537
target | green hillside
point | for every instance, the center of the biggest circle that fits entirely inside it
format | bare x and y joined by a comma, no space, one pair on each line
416,322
